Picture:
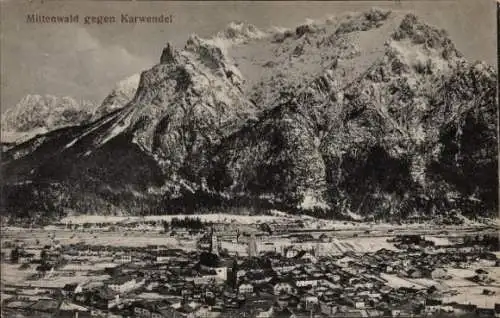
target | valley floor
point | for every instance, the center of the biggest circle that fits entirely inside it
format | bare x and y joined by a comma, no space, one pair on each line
347,268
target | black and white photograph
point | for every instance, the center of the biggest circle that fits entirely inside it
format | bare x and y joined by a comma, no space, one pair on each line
205,159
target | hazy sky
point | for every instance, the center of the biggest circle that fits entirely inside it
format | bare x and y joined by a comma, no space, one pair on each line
86,61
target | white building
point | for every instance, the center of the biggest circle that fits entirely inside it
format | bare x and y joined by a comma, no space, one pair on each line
291,253
245,289
123,259
125,284
308,282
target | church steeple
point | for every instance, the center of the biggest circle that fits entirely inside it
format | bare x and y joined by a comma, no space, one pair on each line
214,243
252,246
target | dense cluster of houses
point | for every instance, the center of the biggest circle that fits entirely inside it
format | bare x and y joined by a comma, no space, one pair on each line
160,282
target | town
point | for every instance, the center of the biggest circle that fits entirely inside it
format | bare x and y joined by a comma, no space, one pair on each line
188,267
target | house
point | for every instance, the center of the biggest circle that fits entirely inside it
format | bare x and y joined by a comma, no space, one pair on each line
221,272
258,277
69,289
152,310
345,261
324,238
123,259
400,313
481,274
328,308
334,278
374,313
163,256
125,283
241,273
102,298
311,302
291,253
26,257
469,308
245,288
266,314
211,262
308,257
44,306
354,313
284,288
497,310
359,304
388,269
440,273
415,273
284,267
430,309
70,310
307,282
485,312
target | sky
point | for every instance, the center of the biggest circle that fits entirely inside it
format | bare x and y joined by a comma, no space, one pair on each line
86,61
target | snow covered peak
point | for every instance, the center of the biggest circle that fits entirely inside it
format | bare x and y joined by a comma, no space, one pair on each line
36,114
239,32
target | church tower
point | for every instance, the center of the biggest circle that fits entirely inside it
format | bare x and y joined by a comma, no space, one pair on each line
252,246
214,243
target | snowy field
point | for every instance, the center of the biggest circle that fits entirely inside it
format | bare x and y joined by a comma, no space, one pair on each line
58,281
123,237
215,218
397,282
474,295
275,217
12,275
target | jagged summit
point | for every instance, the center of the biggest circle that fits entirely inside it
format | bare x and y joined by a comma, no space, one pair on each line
372,114
414,30
168,55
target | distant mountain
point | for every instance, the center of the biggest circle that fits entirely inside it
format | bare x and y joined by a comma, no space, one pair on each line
368,115
37,114
123,93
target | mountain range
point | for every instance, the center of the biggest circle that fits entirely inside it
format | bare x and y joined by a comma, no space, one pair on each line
37,115
371,115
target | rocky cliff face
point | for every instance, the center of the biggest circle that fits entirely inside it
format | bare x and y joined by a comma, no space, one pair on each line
367,115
